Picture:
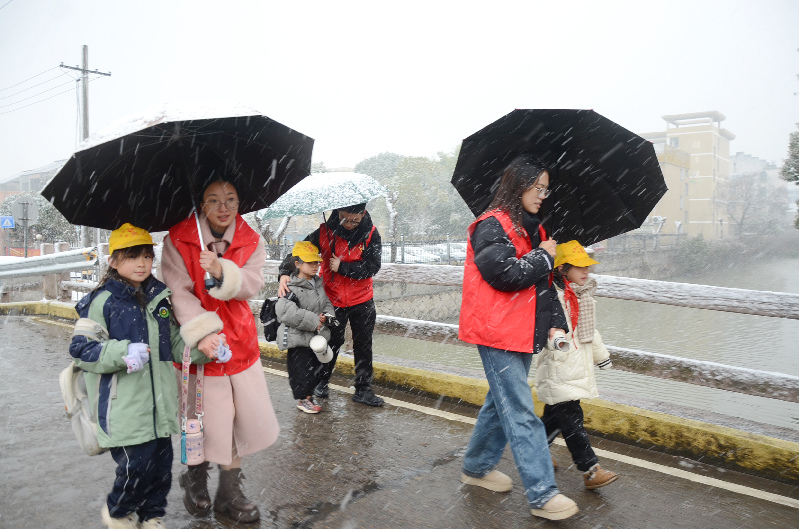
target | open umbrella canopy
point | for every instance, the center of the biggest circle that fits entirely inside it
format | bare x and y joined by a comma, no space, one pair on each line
605,180
325,191
150,170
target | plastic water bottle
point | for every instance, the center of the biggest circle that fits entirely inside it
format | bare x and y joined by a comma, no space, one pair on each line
194,443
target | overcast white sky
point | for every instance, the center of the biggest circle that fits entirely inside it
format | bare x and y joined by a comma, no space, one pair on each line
411,77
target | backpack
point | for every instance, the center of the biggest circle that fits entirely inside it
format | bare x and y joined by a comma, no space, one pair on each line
78,409
76,397
269,317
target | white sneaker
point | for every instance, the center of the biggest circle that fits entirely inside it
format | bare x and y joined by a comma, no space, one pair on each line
131,521
494,480
558,508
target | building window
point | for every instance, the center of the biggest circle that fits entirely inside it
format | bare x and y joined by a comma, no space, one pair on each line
674,142
682,204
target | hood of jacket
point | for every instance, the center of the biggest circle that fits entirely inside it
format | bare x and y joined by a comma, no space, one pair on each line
150,288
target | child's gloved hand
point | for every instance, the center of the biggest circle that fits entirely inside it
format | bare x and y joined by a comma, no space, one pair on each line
223,353
141,349
133,361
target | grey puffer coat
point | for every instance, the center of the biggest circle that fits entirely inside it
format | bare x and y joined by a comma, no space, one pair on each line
298,323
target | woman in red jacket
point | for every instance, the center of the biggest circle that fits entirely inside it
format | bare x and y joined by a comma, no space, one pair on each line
509,309
239,418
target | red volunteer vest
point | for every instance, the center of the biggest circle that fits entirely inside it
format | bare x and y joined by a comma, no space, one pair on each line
341,290
239,322
490,317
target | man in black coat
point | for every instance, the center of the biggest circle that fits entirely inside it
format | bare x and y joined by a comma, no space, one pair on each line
351,250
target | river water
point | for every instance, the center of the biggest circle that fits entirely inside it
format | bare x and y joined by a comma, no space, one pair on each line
755,342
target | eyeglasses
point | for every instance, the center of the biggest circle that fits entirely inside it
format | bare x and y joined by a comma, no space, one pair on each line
231,203
543,192
352,221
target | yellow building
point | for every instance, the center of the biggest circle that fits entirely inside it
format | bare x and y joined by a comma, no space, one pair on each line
694,154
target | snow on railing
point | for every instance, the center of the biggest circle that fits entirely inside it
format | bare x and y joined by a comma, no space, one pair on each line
741,380
758,302
56,263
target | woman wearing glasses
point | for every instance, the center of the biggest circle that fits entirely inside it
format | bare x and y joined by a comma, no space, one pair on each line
238,415
509,310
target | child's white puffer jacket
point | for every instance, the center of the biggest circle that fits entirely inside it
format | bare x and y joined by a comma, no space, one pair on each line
565,376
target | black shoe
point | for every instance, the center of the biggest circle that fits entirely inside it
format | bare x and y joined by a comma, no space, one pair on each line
322,390
230,500
194,482
368,397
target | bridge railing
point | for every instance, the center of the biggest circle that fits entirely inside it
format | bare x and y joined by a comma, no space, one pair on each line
710,374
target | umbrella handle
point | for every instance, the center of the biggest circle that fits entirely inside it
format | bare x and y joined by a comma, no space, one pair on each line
209,281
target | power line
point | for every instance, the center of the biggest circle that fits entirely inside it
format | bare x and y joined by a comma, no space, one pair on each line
42,100
34,86
29,78
9,1
35,95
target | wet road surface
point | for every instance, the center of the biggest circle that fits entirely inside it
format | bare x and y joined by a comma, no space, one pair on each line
350,466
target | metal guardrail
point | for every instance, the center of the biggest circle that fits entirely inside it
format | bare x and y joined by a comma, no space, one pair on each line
56,263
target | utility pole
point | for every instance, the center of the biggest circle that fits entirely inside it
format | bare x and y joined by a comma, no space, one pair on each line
85,235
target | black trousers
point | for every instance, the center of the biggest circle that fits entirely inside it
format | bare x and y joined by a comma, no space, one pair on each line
568,418
143,479
305,371
362,322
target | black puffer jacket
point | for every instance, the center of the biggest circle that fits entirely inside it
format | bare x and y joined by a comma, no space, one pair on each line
495,258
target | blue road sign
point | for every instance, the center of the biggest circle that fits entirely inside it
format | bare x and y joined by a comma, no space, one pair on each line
6,222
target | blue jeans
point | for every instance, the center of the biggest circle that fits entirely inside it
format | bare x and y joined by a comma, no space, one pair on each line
507,416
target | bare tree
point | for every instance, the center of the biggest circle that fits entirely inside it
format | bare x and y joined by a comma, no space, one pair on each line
741,195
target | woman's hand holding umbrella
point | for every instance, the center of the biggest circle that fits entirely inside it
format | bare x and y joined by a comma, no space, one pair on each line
549,245
210,263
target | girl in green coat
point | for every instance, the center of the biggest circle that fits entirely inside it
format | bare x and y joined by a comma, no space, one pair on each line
126,340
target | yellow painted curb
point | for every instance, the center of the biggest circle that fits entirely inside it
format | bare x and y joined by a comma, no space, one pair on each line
57,309
709,443
717,445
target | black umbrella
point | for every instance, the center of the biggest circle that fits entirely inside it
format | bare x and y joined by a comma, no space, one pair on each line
605,180
150,171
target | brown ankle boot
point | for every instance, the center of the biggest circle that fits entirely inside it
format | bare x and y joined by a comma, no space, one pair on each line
230,499
598,477
194,482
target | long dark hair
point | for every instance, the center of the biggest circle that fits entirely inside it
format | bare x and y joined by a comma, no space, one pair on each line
123,254
520,175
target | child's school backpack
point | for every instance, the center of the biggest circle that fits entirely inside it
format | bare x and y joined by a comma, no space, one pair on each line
76,396
269,317
78,409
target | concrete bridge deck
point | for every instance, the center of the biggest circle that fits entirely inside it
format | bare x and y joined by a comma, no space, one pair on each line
353,466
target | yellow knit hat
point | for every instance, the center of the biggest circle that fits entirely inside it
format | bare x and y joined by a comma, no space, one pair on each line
572,253
306,251
127,236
